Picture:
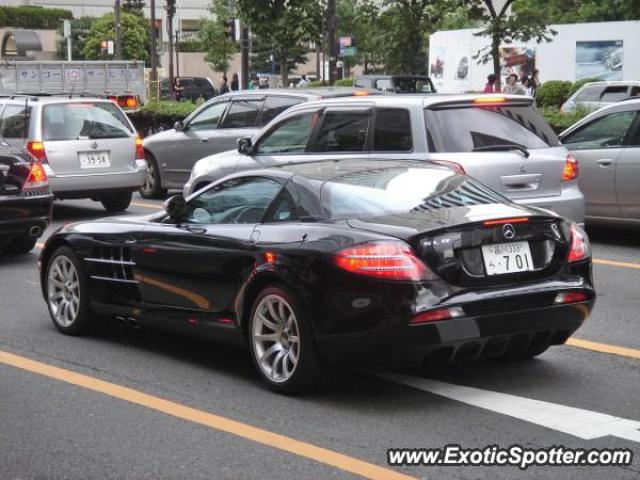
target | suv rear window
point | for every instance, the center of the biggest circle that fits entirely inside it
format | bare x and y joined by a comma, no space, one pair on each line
461,129
73,121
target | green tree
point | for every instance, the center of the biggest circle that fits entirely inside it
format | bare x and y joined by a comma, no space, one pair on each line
361,19
261,52
284,24
133,6
80,29
504,26
576,11
135,37
218,47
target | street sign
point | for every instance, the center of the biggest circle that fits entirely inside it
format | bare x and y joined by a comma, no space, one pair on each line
110,47
345,42
66,28
348,51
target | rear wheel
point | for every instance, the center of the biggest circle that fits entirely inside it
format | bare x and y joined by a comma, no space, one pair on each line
282,349
67,293
152,186
116,203
18,245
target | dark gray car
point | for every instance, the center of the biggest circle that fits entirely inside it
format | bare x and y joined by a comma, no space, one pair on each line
216,127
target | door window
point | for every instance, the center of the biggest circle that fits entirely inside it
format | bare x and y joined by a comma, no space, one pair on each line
239,201
209,118
289,136
343,131
14,121
615,94
589,94
392,130
242,114
274,106
604,132
633,139
283,209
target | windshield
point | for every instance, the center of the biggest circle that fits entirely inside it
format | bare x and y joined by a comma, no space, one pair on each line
73,121
464,129
398,190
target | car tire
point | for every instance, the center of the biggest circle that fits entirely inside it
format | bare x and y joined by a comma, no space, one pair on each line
152,186
281,343
66,293
18,245
116,203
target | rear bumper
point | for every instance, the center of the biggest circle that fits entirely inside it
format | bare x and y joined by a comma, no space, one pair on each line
83,185
570,203
18,216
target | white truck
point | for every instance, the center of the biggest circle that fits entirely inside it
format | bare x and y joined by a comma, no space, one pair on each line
120,81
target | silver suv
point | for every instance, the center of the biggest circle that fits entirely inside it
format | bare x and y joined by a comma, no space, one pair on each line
88,146
500,140
595,95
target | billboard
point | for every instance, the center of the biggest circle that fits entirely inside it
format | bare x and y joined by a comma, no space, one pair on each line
518,60
600,59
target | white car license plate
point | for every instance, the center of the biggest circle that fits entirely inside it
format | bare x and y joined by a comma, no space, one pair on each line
94,159
507,258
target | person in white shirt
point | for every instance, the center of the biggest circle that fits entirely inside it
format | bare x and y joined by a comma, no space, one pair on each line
303,81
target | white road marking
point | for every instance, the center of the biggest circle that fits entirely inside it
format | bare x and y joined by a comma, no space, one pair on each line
580,423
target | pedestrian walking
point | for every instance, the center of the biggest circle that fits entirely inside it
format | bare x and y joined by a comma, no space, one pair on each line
178,90
490,87
224,88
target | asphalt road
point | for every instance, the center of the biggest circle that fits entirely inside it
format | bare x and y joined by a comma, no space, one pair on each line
129,404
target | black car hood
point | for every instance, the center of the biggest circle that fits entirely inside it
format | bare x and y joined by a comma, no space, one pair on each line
407,225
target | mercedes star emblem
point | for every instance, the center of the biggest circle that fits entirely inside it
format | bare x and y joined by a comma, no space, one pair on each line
508,231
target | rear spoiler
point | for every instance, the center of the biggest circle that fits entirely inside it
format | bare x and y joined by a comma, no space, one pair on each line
483,101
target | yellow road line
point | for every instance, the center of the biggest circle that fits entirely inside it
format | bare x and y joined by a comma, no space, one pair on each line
216,422
604,348
147,205
614,263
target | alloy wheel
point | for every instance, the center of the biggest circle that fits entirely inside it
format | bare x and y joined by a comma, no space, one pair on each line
149,177
276,338
63,287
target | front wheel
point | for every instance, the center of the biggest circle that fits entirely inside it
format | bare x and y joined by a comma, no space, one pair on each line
152,186
67,293
282,349
116,203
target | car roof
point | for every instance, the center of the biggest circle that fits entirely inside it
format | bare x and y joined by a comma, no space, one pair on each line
612,83
310,93
630,104
395,100
326,170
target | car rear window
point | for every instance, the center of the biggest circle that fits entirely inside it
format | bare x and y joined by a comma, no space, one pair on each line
400,190
462,129
73,121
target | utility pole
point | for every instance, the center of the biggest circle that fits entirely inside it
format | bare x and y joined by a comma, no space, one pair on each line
153,79
171,11
177,53
331,30
118,31
244,57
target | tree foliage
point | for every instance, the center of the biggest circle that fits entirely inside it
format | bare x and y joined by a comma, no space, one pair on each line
135,37
218,47
576,11
80,29
261,52
362,20
282,23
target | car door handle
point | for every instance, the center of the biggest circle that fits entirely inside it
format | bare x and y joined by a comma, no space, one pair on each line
605,162
204,140
193,228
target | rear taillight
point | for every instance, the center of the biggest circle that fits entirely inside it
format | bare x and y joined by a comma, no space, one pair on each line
456,167
126,101
37,150
580,248
37,177
571,297
139,148
571,169
386,260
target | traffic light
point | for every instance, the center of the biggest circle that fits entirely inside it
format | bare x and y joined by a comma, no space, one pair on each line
230,28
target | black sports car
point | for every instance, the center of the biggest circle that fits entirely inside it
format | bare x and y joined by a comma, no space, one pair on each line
330,262
25,200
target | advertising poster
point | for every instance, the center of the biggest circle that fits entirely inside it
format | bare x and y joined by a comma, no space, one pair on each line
436,69
603,60
518,60
462,65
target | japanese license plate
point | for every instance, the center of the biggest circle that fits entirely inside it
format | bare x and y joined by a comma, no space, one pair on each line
507,258
94,159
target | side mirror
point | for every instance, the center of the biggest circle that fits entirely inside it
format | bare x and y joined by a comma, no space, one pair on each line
245,146
176,207
178,126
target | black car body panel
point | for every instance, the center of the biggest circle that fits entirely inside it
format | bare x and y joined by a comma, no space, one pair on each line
21,211
204,278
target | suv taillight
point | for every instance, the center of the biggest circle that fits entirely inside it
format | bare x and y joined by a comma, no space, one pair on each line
389,260
571,169
37,150
580,248
139,148
37,177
